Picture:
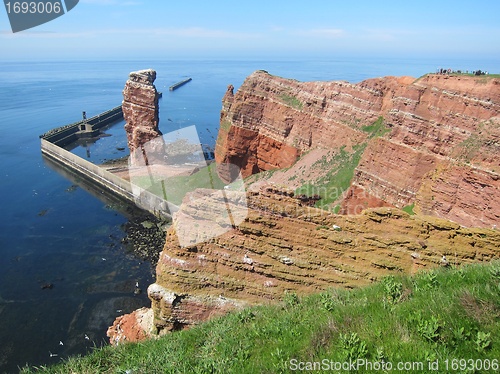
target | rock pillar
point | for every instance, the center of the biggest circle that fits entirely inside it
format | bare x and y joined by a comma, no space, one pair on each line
140,110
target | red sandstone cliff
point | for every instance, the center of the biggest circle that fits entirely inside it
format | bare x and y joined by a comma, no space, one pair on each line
438,148
441,151
286,245
140,110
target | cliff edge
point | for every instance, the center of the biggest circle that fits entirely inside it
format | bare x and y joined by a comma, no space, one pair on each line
285,245
432,142
309,150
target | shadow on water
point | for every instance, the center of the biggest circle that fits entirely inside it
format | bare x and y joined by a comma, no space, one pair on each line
62,294
110,200
144,232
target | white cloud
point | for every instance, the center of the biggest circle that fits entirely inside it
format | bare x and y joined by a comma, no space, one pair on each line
200,32
189,32
387,35
325,33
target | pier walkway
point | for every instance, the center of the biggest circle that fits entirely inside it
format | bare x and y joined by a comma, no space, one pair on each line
87,127
52,143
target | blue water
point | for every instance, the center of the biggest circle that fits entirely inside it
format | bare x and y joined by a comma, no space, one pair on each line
53,231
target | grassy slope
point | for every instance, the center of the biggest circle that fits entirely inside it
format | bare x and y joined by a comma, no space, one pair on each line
445,314
338,170
175,188
337,176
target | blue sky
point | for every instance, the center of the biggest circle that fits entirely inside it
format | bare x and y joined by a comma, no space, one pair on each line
149,29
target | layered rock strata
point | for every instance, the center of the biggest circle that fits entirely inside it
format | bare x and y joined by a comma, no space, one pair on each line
437,126
286,245
140,111
438,149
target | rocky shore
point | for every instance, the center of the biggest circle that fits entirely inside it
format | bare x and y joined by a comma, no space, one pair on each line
145,236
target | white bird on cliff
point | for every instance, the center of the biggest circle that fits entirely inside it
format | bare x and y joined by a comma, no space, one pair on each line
86,337
60,342
52,354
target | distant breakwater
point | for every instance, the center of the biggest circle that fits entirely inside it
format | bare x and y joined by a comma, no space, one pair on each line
179,84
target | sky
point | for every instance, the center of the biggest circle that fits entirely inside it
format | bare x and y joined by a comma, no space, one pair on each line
231,29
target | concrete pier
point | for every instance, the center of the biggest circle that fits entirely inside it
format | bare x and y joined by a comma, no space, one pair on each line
178,84
87,127
98,175
53,141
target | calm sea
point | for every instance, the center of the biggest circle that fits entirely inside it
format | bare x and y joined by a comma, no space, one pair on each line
55,232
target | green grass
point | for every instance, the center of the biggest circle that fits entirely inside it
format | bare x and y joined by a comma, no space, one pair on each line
291,101
377,128
447,314
337,176
409,209
175,188
338,170
483,77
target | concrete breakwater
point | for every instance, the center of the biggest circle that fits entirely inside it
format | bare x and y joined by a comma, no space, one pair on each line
121,187
52,144
87,127
179,84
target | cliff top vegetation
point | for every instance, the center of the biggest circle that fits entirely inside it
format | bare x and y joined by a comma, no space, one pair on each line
448,316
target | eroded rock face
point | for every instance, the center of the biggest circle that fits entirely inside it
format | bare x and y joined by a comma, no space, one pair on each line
176,311
441,152
437,125
140,110
284,244
134,327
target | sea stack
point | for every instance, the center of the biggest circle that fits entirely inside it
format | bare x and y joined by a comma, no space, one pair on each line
140,110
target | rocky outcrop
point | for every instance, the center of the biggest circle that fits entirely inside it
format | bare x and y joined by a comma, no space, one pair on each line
175,311
286,245
432,142
271,120
435,126
443,153
140,110
130,328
